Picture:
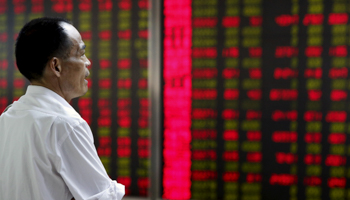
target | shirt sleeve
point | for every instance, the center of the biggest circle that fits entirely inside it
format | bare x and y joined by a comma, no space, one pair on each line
82,170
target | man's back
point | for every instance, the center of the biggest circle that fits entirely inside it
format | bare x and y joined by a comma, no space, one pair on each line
28,151
25,156
47,151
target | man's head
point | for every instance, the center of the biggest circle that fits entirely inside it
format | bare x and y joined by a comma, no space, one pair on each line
39,41
50,52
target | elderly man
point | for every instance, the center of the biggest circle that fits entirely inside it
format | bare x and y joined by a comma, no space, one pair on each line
46,148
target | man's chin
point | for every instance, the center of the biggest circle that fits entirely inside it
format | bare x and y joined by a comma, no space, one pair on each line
82,93
85,91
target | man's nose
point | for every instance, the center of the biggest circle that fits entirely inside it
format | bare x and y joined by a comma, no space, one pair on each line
87,63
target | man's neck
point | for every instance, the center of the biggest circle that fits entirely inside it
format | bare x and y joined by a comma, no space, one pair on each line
54,87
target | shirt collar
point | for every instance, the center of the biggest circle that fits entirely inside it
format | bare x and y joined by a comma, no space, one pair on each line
47,99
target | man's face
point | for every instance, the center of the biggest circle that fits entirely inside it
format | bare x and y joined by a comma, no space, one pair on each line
74,68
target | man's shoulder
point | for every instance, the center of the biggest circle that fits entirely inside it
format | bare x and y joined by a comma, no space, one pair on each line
72,121
9,106
37,115
47,109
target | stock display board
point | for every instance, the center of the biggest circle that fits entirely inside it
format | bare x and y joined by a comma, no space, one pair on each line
256,99
116,105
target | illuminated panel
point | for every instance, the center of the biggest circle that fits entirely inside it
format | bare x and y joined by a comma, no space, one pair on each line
62,6
124,101
313,20
20,19
84,27
336,115
104,82
250,132
143,142
204,95
283,97
116,104
3,55
230,114
37,9
177,99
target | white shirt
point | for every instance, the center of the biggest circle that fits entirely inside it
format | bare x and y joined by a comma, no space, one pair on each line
47,152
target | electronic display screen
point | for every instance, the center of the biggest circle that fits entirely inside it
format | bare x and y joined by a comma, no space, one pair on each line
255,93
255,99
116,105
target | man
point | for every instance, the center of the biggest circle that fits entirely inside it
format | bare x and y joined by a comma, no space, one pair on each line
46,148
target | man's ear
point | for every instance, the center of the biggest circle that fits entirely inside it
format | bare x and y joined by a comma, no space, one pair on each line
55,66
